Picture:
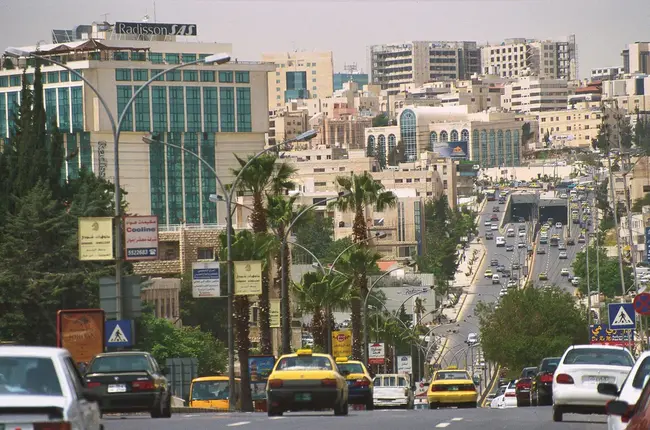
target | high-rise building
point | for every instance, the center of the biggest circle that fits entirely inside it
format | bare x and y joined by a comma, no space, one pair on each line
402,66
524,57
636,58
534,94
299,75
212,110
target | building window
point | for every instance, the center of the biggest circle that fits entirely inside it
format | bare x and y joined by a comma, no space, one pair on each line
174,76
225,77
4,81
15,80
444,137
193,107
64,76
122,74
484,149
500,149
475,155
172,58
244,121
208,182
156,57
191,175
142,111
50,106
175,177
205,253
433,139
392,143
155,72
64,109
138,56
464,135
121,56
188,58
210,110
77,109
52,78
140,75
408,133
381,151
370,147
124,93
159,108
227,107
176,109
207,76
190,75
242,77
454,136
3,116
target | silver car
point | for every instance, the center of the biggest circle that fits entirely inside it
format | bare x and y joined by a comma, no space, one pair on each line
43,385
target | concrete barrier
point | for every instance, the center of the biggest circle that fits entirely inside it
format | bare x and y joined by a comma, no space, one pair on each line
177,402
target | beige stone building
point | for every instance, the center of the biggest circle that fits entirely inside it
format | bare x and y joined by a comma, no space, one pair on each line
630,92
299,75
287,123
572,127
636,58
534,94
343,131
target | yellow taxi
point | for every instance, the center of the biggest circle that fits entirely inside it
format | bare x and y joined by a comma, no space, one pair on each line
488,273
360,387
306,381
212,392
452,387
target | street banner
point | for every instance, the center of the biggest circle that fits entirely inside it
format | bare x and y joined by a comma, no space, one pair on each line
206,280
341,343
376,353
81,332
95,239
248,278
141,238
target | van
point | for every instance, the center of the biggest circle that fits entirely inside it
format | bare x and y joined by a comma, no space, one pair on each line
501,241
496,279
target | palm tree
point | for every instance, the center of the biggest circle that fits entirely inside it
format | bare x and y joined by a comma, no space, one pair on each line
246,246
280,214
264,175
357,264
320,295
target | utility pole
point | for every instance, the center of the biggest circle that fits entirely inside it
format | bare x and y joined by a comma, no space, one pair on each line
588,289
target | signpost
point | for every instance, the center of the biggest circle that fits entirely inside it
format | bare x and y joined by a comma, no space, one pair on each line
118,333
642,304
341,343
647,243
206,280
376,353
141,238
622,316
601,334
404,364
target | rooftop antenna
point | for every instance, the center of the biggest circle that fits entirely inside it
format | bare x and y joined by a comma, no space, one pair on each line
105,15
154,12
351,68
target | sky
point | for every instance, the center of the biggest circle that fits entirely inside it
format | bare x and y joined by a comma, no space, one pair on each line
603,27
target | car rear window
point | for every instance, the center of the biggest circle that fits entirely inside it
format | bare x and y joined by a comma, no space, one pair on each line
28,376
389,381
351,367
120,363
642,372
549,365
451,375
304,363
599,356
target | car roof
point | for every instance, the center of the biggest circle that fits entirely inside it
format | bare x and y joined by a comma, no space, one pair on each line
598,346
32,351
116,353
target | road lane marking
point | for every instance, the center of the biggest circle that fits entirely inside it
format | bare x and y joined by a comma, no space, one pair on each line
276,418
442,425
240,423
456,419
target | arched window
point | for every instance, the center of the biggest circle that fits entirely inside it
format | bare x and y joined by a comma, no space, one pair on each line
453,136
492,144
501,151
464,135
484,149
381,151
433,139
370,149
407,128
392,144
444,137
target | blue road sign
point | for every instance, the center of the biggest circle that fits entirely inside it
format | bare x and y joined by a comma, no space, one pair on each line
622,315
118,333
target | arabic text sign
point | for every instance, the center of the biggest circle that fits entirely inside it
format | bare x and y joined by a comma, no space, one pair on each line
376,353
413,291
141,237
603,335
81,332
404,364
274,312
260,367
248,278
206,280
342,343
95,239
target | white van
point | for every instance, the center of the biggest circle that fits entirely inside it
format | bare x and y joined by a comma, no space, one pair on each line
496,279
501,241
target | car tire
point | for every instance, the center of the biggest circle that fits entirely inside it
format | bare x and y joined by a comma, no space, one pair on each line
274,412
370,404
557,415
157,410
341,410
167,408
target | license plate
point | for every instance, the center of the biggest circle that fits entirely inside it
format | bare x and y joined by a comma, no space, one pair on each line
117,388
596,379
303,397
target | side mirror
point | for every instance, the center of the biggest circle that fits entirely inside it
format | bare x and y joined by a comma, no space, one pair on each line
616,407
608,389
91,396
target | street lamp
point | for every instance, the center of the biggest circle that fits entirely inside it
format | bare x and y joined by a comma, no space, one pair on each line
229,194
116,129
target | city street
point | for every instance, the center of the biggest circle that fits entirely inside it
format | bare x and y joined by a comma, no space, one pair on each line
460,419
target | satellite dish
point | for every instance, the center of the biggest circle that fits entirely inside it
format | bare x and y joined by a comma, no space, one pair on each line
476,167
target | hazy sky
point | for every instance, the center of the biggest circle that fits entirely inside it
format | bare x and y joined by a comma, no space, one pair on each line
602,27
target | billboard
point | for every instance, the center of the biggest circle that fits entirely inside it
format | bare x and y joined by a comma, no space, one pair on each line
155,29
95,237
141,238
376,353
206,280
601,334
81,332
457,150
274,313
341,343
248,278
260,367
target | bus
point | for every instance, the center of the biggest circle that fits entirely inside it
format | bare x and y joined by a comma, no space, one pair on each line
491,195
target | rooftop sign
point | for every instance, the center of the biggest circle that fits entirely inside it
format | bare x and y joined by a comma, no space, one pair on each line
155,29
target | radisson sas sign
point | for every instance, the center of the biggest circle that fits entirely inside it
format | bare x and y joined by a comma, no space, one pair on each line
155,29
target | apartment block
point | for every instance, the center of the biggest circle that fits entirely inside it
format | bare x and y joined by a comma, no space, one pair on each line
632,93
299,75
533,94
402,66
524,57
572,127
636,58
345,131
287,123
606,73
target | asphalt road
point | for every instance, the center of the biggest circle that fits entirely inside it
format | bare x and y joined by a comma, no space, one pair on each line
461,419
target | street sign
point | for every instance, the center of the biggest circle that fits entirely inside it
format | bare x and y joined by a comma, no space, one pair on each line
601,334
376,353
642,304
118,333
621,315
404,364
206,280
342,343
647,243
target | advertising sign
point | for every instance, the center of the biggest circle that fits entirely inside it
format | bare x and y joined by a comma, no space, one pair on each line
404,364
95,239
141,238
341,343
101,159
603,335
248,278
413,291
155,29
376,353
260,367
457,150
206,280
274,312
81,332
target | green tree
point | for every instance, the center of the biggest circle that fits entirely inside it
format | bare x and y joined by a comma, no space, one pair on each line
608,269
529,325
264,176
526,134
209,315
316,233
381,120
638,204
335,248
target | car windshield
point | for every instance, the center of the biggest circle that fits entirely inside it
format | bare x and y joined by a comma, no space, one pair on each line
451,375
549,365
599,356
120,363
350,367
210,390
28,376
642,372
304,362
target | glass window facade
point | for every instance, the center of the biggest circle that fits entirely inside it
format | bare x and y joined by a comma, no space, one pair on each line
50,106
124,93
12,108
475,156
190,75
85,151
15,80
30,78
208,181
122,74
207,76
174,76
140,75
52,78
74,77
157,181
242,77
77,109
159,108
173,58
227,109
484,149
188,58
500,148
3,115
121,56
4,81
516,147
175,179
176,109
225,77
138,56
154,72
508,141
407,125
244,120
193,108
210,110
296,80
492,149
64,109
64,75
142,111
156,57
72,162
191,172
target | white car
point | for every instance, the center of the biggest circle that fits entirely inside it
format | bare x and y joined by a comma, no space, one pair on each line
558,225
472,338
488,223
494,226
508,399
581,369
563,255
575,281
522,234
630,390
43,385
564,272
392,390
563,196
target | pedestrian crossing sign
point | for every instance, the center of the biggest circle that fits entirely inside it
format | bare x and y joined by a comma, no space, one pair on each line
622,316
118,333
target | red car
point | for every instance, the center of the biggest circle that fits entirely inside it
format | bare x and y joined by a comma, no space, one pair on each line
522,388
